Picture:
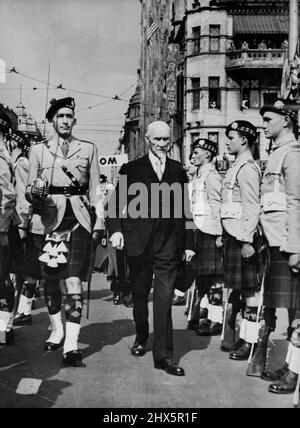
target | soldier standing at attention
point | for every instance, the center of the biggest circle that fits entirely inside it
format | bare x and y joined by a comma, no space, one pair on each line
240,216
64,185
7,210
280,220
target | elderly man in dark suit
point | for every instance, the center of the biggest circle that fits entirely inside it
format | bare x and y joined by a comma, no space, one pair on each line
154,239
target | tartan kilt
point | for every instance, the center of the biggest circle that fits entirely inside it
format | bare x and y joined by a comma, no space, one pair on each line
15,256
207,260
78,259
239,274
282,288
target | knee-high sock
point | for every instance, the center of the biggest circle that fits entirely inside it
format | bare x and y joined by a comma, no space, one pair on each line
73,309
25,303
57,328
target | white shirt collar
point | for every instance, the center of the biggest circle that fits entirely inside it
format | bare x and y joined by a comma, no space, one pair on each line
154,160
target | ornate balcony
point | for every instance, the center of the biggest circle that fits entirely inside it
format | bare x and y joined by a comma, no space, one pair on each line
254,58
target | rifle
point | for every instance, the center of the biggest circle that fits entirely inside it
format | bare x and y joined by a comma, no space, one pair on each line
92,260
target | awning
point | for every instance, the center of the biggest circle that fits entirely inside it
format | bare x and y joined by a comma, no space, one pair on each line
260,24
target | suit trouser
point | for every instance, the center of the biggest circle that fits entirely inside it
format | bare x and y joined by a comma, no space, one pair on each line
159,258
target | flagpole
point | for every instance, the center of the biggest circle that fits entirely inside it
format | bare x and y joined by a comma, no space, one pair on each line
293,28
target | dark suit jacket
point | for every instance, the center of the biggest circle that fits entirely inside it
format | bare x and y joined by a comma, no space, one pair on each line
137,231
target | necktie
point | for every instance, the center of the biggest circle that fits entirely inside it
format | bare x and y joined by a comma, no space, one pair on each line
65,149
159,169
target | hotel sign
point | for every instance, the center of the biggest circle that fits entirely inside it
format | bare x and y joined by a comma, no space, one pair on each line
171,78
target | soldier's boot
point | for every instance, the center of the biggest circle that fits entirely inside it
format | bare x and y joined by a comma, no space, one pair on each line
230,341
7,292
215,313
248,333
288,383
23,316
258,361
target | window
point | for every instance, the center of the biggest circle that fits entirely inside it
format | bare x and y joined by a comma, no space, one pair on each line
194,136
250,94
196,38
269,96
196,93
214,93
214,38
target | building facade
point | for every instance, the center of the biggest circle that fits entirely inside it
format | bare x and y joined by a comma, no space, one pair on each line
234,55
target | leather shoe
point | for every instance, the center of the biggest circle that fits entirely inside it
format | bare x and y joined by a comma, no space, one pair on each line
275,375
227,346
127,300
21,319
286,385
242,353
73,359
50,346
138,350
117,299
169,367
192,325
178,301
209,329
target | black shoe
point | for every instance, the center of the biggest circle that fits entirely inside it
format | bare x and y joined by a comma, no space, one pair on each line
169,367
275,375
210,330
231,346
192,325
242,353
138,350
127,300
117,299
286,385
21,319
73,359
178,301
50,346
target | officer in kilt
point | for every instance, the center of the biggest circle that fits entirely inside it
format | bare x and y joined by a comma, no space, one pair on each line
64,188
280,219
7,218
206,208
240,215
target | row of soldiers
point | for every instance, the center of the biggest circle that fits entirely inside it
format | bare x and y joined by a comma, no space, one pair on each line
14,219
248,235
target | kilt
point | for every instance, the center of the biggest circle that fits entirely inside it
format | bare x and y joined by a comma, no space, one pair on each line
78,259
15,254
239,274
282,288
207,260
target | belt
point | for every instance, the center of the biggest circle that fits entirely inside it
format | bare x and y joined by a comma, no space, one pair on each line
67,190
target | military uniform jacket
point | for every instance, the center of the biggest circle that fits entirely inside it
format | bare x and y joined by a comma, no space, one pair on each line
82,161
23,207
245,195
206,200
7,192
281,223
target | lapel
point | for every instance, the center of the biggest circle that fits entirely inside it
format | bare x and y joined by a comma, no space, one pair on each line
74,147
54,147
147,171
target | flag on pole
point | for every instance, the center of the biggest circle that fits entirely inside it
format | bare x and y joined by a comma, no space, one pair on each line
290,82
152,28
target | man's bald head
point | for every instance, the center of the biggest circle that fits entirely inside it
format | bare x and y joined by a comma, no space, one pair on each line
158,138
157,125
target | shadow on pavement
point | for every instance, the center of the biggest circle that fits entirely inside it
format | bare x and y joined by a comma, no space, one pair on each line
27,359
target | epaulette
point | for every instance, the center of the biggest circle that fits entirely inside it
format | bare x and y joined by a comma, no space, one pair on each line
85,141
